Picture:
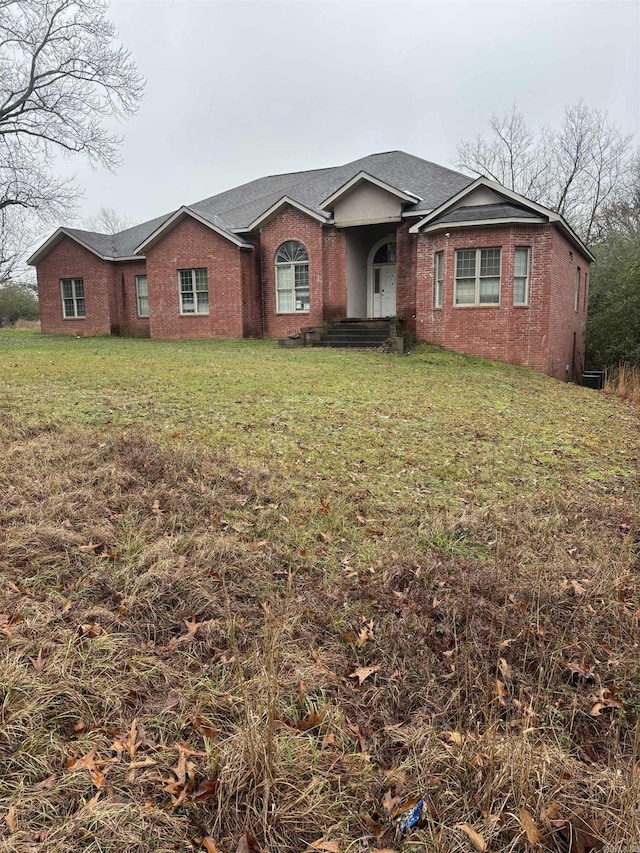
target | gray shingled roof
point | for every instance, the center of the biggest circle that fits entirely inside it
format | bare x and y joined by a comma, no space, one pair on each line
237,208
471,213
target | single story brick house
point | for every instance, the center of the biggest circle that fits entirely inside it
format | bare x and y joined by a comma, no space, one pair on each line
467,264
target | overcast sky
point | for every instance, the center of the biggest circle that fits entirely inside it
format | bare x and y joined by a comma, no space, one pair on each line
237,90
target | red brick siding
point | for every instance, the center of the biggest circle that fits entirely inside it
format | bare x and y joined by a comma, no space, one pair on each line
564,320
251,295
506,332
291,224
192,245
406,276
335,273
125,286
69,260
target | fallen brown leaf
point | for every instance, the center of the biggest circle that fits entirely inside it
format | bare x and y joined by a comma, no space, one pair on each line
605,699
529,825
363,672
90,630
205,790
91,548
248,844
501,692
476,839
209,845
505,669
366,634
10,820
88,762
390,803
205,729
192,629
39,662
321,844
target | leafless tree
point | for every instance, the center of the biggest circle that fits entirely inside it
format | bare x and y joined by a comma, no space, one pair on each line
62,75
576,169
107,221
18,234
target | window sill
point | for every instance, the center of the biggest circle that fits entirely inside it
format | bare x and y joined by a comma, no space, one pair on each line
75,318
482,305
521,305
199,314
292,313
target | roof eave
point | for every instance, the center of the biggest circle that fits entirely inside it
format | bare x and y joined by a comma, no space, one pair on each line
472,223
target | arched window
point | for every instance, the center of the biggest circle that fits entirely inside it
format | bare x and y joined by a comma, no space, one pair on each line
292,278
386,254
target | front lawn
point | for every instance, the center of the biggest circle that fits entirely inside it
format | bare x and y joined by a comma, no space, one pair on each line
291,592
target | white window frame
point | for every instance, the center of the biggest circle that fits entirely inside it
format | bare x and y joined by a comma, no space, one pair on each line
438,279
526,249
75,299
200,308
292,267
577,299
141,296
478,279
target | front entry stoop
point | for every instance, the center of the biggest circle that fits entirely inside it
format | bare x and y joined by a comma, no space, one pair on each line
373,333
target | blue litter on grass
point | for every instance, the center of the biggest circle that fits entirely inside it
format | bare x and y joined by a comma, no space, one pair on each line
410,818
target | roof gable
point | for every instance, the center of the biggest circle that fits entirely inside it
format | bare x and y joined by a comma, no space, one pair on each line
360,178
275,208
456,201
179,216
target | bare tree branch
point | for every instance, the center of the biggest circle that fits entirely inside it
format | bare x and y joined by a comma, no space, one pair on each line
576,170
62,72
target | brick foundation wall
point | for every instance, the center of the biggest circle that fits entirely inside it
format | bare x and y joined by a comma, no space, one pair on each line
519,335
566,325
69,260
191,245
291,224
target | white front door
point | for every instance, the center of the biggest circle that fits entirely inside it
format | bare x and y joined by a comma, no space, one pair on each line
383,290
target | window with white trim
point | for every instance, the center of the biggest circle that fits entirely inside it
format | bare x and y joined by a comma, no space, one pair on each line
438,279
142,296
73,304
194,291
292,278
521,276
577,301
477,280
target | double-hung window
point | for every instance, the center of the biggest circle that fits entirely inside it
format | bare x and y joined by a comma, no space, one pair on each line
194,291
477,280
142,296
73,305
521,276
439,279
292,278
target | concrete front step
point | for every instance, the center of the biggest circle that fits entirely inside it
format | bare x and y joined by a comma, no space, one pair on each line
368,333
350,344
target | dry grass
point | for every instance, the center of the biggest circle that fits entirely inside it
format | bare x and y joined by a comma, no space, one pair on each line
29,325
203,609
624,381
